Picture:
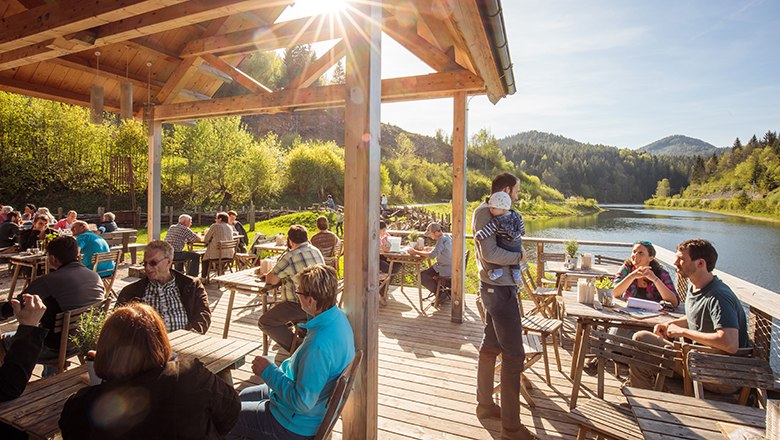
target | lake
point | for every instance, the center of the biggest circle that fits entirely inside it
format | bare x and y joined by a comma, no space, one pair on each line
747,248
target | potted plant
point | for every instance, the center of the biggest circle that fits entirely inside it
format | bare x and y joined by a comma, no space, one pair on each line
414,237
571,248
85,338
604,286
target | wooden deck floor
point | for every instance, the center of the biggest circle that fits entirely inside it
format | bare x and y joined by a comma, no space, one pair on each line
427,371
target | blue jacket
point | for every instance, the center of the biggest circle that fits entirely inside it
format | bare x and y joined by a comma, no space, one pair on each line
301,386
91,243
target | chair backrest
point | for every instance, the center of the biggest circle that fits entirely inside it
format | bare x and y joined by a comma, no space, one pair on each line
339,396
67,322
722,369
604,259
552,256
528,280
227,248
103,257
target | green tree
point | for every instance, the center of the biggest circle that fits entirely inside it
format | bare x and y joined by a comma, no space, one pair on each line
314,170
295,59
663,189
338,76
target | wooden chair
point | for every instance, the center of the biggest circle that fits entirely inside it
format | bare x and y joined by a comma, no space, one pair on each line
332,254
65,324
545,298
339,397
444,284
224,262
104,257
684,349
606,420
544,327
245,260
604,259
661,360
741,372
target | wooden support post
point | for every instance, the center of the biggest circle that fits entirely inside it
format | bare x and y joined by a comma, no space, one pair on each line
459,122
361,211
251,216
539,262
170,215
153,177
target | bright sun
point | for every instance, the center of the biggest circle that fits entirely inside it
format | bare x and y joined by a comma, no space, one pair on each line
333,6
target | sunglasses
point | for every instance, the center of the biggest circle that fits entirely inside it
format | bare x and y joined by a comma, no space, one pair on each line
154,263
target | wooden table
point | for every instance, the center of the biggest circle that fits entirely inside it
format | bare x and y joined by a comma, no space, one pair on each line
664,415
245,281
407,262
34,262
595,271
587,317
38,410
123,237
272,247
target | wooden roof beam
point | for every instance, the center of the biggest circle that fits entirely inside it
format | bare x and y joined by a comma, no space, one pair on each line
238,76
435,18
51,93
264,38
435,85
419,46
316,69
57,19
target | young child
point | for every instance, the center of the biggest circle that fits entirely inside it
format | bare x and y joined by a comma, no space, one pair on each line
508,227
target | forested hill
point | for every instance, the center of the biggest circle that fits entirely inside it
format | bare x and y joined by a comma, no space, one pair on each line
608,174
679,145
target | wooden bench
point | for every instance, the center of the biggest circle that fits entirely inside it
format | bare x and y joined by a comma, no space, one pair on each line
606,420
124,240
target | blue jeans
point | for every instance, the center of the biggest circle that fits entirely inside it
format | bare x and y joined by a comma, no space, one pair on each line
191,258
256,421
503,335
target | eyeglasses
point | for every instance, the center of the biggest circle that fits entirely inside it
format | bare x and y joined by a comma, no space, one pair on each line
154,263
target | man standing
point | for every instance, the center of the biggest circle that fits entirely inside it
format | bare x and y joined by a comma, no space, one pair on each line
178,236
68,287
383,202
285,274
713,314
442,252
90,244
503,331
181,301
326,241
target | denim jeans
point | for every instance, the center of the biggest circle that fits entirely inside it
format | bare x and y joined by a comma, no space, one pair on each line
256,421
503,335
191,258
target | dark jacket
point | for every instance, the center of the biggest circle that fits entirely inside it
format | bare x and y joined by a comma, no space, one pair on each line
20,361
29,238
183,400
193,297
8,232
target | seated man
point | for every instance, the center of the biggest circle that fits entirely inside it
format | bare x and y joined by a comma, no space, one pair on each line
324,240
219,231
68,287
9,229
238,230
181,301
178,236
285,273
19,361
384,265
713,314
91,244
442,252
291,404
108,224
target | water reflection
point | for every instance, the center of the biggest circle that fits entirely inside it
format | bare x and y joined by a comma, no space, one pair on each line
748,248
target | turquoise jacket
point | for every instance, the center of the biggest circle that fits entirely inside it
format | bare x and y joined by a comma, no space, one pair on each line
91,243
301,386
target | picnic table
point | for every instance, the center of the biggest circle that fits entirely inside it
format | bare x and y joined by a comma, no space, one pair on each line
35,262
271,247
407,262
587,317
245,281
37,410
665,415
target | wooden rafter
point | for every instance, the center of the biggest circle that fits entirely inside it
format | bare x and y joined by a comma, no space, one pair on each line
435,85
321,65
434,17
263,38
238,76
53,93
420,47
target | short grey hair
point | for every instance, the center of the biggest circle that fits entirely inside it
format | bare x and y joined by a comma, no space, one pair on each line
6,209
184,217
110,216
162,246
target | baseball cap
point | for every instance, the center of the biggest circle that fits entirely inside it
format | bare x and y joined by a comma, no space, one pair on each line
432,227
500,200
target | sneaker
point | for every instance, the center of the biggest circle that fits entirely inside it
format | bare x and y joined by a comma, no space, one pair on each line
495,274
517,277
521,434
591,367
488,411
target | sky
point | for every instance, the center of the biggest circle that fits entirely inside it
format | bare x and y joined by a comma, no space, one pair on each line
617,72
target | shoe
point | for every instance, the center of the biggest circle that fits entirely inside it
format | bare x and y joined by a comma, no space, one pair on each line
521,434
495,274
591,367
488,411
517,277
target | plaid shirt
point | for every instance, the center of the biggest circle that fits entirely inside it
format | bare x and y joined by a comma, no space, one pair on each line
179,235
291,263
165,299
652,293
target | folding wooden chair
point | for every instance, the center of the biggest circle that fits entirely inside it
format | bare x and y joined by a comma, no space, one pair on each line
339,397
606,420
66,323
227,251
444,284
108,281
545,298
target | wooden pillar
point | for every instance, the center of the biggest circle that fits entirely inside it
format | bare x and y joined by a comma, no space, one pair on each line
459,122
361,210
153,177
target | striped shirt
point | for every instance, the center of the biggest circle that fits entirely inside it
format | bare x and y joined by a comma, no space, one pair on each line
291,263
179,235
165,299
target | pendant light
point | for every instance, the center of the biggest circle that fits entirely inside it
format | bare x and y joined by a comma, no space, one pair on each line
96,97
126,91
148,103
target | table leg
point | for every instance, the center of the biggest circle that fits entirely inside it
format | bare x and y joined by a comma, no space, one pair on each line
229,312
419,288
580,364
17,268
390,275
575,354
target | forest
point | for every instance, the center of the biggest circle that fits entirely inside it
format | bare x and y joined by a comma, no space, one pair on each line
743,180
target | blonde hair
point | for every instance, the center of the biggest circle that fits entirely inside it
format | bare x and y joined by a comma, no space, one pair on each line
133,341
319,282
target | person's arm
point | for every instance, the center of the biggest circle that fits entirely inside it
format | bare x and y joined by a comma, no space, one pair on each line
281,270
488,249
667,293
28,342
311,377
200,318
662,329
725,339
225,403
623,280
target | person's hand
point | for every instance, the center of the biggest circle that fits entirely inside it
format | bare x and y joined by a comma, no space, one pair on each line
660,330
647,273
259,272
30,312
259,364
674,331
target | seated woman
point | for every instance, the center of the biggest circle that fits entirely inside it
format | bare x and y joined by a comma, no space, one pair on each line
641,276
108,224
291,404
146,393
40,230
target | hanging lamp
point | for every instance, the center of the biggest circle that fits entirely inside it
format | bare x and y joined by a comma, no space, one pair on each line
126,92
96,97
148,103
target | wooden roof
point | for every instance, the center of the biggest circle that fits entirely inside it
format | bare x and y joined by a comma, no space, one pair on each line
47,50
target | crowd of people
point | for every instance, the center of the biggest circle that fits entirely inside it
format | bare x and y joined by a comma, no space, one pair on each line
184,399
